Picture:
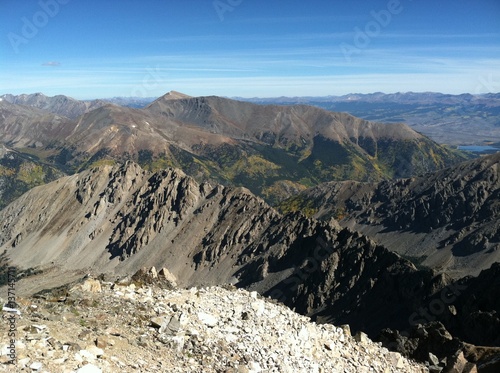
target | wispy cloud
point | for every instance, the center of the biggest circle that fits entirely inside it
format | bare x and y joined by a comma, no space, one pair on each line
51,64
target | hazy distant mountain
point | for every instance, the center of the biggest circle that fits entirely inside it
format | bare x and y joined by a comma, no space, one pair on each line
449,119
141,102
448,220
132,102
399,97
273,150
61,105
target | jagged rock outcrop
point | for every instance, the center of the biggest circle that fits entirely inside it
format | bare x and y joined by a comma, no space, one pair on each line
446,220
443,352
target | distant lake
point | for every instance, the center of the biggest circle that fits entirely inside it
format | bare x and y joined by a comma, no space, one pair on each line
478,148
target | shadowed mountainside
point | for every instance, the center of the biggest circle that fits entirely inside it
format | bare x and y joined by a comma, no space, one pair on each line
445,220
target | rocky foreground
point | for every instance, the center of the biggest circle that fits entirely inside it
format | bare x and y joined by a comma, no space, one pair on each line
98,326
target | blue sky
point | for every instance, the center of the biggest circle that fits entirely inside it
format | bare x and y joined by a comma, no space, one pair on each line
97,49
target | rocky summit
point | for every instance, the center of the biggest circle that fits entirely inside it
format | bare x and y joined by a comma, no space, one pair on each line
97,326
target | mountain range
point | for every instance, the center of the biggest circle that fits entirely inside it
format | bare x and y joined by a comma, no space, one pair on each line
463,119
448,119
275,151
60,104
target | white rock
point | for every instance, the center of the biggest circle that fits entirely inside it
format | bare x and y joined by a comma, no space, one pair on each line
231,338
89,368
36,365
5,350
254,367
78,357
96,351
40,328
23,362
304,333
207,319
178,342
258,307
92,286
87,355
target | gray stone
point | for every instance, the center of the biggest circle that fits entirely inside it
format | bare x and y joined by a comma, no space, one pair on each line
158,321
361,337
433,359
456,363
173,326
435,369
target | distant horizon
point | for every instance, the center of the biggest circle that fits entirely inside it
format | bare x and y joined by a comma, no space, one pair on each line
240,48
253,97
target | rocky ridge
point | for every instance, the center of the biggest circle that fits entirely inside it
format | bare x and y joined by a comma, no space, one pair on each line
120,326
447,220
60,105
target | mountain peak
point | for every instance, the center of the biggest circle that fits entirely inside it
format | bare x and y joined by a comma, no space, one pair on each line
174,95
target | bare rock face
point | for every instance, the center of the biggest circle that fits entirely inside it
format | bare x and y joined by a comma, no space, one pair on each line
167,276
